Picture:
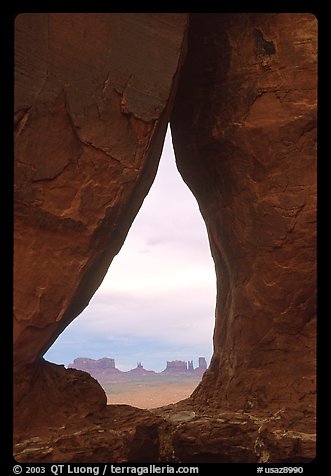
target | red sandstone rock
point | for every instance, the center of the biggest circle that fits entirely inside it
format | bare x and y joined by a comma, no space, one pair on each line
48,395
93,94
125,434
246,147
117,433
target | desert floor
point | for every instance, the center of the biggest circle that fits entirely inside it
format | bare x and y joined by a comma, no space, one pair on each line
149,394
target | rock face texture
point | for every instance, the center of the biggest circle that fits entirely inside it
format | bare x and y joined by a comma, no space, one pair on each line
93,95
91,120
120,433
246,147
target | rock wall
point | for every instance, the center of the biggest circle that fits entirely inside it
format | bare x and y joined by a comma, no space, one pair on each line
93,94
91,119
246,147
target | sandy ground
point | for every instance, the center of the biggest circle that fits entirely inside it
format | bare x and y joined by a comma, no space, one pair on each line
149,396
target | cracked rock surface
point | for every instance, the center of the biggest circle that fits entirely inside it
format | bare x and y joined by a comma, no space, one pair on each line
246,146
125,434
90,125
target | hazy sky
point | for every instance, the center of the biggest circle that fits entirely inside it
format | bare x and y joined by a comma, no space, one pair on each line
157,301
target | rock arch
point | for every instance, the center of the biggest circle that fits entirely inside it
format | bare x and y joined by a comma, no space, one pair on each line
93,96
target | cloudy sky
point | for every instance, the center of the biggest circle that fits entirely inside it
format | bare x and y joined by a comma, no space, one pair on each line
157,301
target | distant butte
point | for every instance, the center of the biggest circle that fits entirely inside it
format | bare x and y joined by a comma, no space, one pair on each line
176,366
105,368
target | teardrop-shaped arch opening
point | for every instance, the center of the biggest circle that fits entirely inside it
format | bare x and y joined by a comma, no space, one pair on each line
153,315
